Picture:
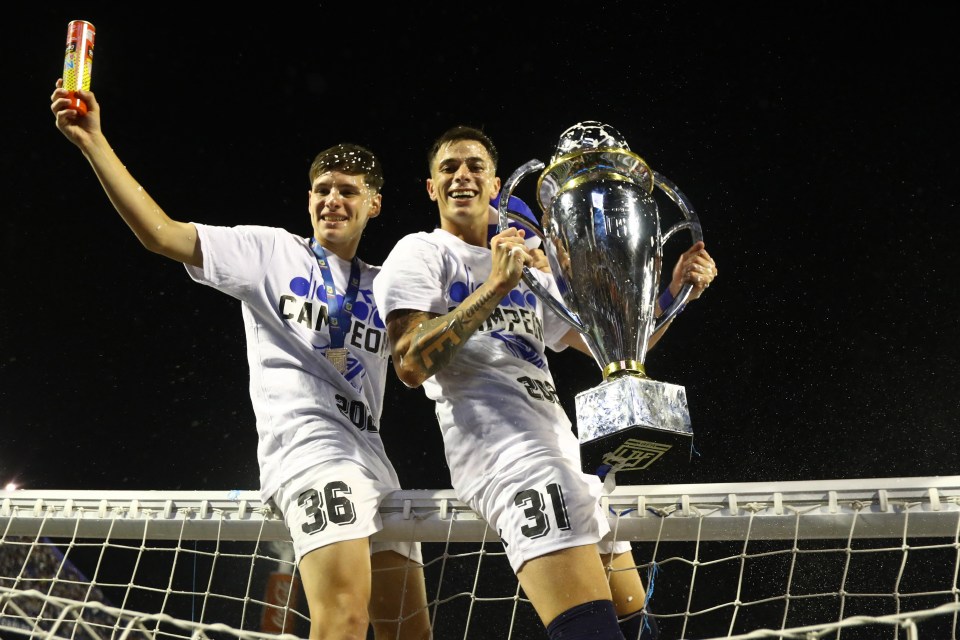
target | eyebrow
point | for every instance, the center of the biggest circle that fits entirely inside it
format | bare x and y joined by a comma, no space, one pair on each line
339,184
444,161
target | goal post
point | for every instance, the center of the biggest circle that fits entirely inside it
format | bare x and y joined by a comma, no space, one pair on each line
723,560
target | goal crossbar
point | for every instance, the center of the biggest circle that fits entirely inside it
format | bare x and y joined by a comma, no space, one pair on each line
720,511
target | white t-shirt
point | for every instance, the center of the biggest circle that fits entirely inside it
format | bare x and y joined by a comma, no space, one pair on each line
307,412
495,401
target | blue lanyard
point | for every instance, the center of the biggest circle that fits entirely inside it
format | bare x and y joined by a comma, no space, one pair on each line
338,319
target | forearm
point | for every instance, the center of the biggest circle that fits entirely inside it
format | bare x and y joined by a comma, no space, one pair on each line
574,339
152,226
655,338
424,344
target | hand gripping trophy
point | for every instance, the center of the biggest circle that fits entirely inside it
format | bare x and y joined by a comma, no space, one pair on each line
602,236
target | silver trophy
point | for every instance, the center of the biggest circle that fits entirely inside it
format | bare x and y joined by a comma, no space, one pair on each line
602,236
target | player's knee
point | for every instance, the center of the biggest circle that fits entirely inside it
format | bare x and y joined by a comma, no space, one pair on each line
341,616
596,620
339,627
640,626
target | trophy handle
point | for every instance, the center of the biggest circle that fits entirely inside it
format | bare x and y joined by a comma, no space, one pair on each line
691,224
528,278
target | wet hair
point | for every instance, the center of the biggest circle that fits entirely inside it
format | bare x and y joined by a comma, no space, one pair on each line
351,159
458,133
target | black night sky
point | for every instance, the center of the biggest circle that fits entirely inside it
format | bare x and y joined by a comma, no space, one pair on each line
817,141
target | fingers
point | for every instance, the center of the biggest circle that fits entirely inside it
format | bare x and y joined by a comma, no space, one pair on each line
59,92
509,232
508,255
60,101
519,253
89,98
511,240
698,269
540,261
700,274
511,247
61,96
63,113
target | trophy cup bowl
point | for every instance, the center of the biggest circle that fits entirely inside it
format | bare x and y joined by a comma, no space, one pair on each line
604,243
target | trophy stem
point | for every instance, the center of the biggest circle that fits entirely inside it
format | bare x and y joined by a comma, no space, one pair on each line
622,368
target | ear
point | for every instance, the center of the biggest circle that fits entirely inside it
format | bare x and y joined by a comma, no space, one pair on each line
496,184
431,190
375,205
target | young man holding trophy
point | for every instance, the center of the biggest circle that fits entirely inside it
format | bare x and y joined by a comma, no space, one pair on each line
462,324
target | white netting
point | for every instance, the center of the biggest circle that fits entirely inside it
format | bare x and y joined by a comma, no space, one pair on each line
847,559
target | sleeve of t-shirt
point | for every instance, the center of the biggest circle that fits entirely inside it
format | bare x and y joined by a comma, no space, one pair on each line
235,259
411,278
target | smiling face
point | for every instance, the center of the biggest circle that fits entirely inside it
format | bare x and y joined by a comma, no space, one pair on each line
462,182
340,205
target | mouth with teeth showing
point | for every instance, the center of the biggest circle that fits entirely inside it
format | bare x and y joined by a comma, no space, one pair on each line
462,194
331,218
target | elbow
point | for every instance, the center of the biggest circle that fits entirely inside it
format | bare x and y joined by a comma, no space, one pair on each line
409,376
153,241
152,244
412,380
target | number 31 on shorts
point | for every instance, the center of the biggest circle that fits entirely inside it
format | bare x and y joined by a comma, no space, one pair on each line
534,509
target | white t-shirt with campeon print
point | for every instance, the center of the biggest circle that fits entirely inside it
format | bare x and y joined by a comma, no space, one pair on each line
496,401
306,411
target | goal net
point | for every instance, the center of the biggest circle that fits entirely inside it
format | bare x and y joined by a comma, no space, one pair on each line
871,558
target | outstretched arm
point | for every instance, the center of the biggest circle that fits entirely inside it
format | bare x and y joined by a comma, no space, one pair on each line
694,267
154,228
423,343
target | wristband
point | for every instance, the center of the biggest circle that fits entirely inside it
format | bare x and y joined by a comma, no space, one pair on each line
666,299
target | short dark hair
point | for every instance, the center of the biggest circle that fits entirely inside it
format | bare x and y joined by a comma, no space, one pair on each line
462,132
351,159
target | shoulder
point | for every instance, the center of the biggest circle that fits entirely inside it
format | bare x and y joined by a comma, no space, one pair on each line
368,270
249,231
419,237
414,243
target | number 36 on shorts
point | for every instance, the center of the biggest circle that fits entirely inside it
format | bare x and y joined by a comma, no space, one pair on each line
330,506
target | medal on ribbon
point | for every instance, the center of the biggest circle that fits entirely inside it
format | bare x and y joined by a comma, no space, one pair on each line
338,318
338,358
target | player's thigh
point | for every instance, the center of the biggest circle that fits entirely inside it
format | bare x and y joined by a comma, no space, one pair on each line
626,585
337,575
331,511
398,593
562,579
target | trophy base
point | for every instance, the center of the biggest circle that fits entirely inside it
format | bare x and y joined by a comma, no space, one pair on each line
634,427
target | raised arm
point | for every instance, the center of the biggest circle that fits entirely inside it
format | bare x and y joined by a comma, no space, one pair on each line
154,228
423,343
694,266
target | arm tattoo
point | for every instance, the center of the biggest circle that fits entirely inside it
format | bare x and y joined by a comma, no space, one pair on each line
439,340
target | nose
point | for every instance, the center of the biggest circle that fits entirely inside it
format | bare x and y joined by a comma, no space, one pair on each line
462,173
334,199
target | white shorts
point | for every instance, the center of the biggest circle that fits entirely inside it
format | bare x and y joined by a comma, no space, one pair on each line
334,502
548,506
615,548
